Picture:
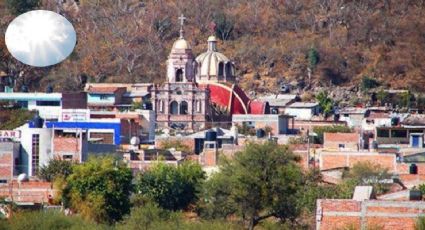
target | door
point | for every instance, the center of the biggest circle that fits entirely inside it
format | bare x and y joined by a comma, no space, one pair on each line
415,141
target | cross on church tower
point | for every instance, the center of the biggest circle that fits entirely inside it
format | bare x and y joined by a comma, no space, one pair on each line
182,18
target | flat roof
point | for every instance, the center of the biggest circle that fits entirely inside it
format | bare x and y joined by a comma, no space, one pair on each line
31,96
303,105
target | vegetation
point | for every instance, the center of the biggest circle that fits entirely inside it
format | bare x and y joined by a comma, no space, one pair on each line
368,83
55,168
325,102
13,118
329,129
99,189
46,220
261,182
354,39
368,173
21,6
176,144
420,223
171,187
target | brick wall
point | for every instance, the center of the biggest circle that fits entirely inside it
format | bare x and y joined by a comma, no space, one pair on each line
6,165
330,160
350,141
31,191
68,146
386,215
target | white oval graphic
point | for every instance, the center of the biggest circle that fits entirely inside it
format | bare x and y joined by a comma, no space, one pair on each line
40,38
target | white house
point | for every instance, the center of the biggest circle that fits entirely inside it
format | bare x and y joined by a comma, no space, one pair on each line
303,110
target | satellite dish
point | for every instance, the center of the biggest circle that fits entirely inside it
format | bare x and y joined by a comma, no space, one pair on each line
22,177
135,141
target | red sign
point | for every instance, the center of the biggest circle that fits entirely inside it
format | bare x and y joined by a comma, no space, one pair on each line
10,134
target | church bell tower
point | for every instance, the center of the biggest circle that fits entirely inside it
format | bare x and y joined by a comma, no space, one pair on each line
181,64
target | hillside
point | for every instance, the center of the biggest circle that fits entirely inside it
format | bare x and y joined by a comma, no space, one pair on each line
270,41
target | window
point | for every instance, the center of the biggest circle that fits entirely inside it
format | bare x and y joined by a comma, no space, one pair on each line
199,106
179,75
399,133
184,108
174,107
220,69
383,133
341,146
35,153
48,103
346,115
67,157
229,69
161,106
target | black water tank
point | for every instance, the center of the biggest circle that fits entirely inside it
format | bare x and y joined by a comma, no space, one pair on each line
415,195
147,106
395,121
37,121
374,145
413,169
260,133
211,135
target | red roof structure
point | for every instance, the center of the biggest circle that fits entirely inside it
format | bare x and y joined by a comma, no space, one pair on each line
234,99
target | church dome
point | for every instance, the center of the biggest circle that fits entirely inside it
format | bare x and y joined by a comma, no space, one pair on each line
213,65
181,43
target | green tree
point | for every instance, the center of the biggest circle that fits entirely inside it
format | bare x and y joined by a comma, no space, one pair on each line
368,83
382,96
260,182
99,189
54,168
313,57
368,173
21,6
224,26
325,103
171,187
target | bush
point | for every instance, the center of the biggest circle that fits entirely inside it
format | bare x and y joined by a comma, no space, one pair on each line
54,168
171,187
176,144
99,189
45,220
368,83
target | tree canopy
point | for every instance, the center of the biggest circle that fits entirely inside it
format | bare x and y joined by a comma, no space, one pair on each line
99,189
171,187
261,182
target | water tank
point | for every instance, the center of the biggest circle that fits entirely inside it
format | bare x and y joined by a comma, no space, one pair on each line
415,195
395,121
413,169
135,141
22,177
147,106
49,89
374,145
260,133
37,121
211,135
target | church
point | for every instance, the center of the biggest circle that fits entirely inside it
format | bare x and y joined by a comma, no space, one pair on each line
200,92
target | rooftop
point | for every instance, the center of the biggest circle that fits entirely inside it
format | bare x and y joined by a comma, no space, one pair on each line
340,137
304,105
106,90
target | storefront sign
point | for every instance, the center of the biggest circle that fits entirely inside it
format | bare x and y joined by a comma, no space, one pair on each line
10,134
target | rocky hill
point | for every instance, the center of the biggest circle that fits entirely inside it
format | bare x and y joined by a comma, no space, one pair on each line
308,43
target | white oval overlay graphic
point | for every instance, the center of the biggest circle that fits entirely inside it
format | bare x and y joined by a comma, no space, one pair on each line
40,38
